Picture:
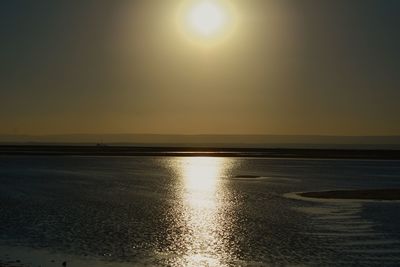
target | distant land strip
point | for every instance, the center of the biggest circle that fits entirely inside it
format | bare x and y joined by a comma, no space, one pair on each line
100,150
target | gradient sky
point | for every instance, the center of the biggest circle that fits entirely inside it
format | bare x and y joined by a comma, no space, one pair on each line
121,66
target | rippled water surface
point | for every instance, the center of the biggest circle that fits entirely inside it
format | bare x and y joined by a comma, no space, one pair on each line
199,211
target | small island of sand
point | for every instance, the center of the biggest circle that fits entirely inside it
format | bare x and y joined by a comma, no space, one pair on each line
370,194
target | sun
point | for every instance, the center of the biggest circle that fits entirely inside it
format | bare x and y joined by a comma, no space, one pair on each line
207,19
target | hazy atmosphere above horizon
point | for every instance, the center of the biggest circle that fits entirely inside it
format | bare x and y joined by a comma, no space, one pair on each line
200,67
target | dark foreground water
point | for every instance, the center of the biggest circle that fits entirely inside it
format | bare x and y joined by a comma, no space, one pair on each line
193,211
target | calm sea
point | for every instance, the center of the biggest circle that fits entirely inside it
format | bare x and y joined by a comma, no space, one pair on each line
199,211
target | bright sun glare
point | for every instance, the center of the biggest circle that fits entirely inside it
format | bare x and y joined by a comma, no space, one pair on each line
207,19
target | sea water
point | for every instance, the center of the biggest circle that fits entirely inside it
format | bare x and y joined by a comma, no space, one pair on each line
198,211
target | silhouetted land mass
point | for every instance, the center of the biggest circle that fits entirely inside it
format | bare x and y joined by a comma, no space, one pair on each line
101,150
210,140
374,194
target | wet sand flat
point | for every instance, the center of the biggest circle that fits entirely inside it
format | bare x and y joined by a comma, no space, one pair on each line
371,194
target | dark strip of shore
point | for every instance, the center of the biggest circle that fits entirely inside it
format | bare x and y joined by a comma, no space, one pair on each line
100,150
374,194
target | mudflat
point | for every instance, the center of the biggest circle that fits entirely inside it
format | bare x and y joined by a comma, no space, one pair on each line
370,194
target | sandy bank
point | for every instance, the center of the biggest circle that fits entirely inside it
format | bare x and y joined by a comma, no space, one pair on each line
370,194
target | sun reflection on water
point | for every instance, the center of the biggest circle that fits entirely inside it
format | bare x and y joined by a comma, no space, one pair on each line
203,213
201,177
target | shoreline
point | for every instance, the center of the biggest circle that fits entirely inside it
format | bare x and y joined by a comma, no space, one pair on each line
18,256
98,150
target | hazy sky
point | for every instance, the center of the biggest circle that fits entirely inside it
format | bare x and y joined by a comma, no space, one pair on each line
123,66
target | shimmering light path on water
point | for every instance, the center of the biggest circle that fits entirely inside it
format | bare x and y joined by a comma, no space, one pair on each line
201,228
